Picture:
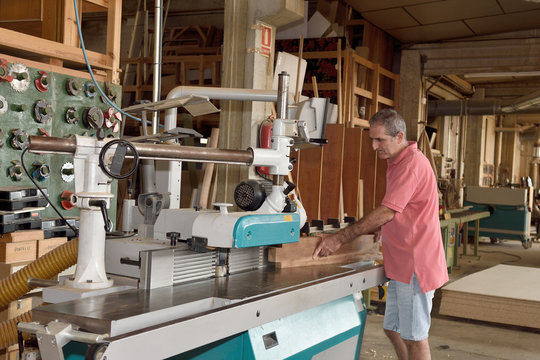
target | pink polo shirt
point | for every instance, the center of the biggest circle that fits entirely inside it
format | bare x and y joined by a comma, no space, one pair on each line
412,241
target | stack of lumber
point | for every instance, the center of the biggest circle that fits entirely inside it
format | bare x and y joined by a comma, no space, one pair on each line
362,248
502,294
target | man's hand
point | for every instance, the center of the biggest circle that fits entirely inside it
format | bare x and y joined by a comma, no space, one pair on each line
330,243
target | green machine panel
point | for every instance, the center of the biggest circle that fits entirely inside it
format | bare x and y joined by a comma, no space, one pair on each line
35,102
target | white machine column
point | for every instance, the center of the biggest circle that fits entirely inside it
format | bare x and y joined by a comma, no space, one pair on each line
90,273
92,191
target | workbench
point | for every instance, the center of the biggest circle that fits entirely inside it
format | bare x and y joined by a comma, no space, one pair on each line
452,225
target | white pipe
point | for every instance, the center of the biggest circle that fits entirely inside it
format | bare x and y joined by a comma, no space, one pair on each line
156,88
215,93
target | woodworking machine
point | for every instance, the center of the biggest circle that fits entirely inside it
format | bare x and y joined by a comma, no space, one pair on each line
205,291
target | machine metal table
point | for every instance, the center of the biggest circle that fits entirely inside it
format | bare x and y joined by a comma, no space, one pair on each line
266,310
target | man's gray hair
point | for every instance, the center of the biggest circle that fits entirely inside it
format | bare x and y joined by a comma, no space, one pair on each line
392,122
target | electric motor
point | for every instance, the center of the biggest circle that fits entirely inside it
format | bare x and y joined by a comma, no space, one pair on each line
249,195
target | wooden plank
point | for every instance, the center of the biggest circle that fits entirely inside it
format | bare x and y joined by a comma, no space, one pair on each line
51,67
386,101
96,5
351,171
309,180
363,61
315,88
208,171
43,47
340,89
321,86
375,91
363,92
114,31
346,87
362,248
51,18
331,171
317,54
363,123
367,171
70,34
298,92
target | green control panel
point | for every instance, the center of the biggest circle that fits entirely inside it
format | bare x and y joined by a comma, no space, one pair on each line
37,102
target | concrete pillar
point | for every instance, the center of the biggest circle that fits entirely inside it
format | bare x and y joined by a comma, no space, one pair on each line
248,58
411,98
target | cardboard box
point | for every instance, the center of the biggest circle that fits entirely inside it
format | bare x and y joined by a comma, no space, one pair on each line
22,235
46,245
12,252
10,353
8,269
16,308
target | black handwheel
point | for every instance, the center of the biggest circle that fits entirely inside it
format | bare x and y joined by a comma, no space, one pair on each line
118,158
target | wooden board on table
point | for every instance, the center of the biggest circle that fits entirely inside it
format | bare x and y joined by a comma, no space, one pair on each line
362,248
351,171
331,171
502,294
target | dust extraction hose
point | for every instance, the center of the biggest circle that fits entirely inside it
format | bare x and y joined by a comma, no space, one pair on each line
15,285
8,329
47,266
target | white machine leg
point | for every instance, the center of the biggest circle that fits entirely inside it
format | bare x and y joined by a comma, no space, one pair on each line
90,273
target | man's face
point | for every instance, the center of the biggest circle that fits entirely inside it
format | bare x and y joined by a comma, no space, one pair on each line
386,146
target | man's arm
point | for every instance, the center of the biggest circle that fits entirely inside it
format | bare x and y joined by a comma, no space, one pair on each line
330,243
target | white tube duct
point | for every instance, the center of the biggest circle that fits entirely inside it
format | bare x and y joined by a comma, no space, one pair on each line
156,87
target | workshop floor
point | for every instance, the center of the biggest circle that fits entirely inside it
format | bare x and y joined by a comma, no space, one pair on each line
455,338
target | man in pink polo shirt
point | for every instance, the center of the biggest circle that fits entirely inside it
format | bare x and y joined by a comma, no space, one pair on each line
408,219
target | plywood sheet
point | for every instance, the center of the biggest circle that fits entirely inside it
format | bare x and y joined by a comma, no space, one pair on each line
507,281
502,294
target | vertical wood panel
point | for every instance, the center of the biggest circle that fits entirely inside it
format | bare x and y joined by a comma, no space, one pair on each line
367,171
380,184
351,171
309,180
114,22
331,172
